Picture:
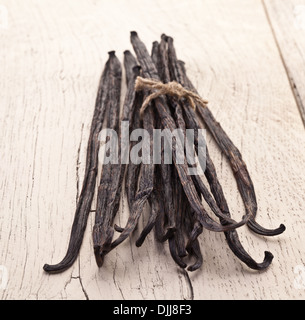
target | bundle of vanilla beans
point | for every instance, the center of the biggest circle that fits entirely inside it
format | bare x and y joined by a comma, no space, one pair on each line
177,201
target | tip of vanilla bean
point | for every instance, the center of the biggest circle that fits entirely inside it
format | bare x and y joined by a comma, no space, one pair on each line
127,52
111,53
164,37
133,33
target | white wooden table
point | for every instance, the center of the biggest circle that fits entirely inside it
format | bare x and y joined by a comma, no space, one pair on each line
246,57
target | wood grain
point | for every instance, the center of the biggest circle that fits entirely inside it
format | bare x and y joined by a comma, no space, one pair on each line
52,56
287,19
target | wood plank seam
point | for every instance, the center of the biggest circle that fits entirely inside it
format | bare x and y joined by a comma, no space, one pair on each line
289,74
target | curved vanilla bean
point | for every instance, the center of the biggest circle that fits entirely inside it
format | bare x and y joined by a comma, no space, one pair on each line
149,71
109,190
180,121
241,174
86,196
150,224
173,251
193,228
210,173
232,236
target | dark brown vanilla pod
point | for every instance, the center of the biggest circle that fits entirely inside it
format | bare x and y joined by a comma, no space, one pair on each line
129,63
86,196
180,204
133,170
176,239
109,190
146,182
171,181
156,210
180,122
111,183
143,193
241,174
163,224
151,220
211,175
155,56
157,204
166,170
193,229
159,96
149,71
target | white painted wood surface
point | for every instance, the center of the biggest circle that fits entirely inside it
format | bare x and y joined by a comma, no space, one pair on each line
287,20
52,54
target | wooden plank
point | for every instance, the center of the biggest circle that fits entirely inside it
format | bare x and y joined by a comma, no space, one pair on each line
52,56
287,19
250,95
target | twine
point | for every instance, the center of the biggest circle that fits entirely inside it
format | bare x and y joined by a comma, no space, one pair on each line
173,89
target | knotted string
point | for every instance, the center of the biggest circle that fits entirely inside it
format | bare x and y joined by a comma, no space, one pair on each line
173,88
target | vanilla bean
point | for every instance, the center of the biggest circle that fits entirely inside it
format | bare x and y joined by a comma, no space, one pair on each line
176,188
241,174
155,56
149,71
131,114
165,169
131,102
164,66
156,210
193,229
133,170
130,63
210,173
171,182
165,55
177,196
109,190
157,203
86,196
180,205
173,251
162,231
146,182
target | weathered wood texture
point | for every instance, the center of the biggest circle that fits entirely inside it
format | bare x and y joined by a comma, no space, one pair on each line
287,19
52,55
